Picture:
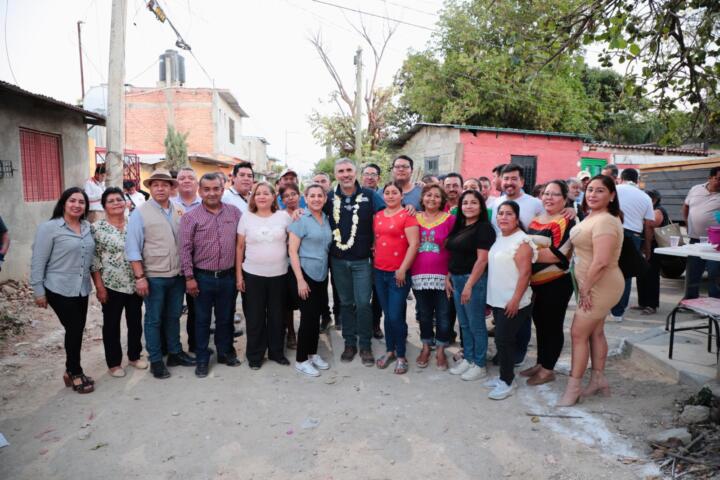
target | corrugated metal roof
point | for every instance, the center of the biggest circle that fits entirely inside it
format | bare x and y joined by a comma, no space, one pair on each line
648,148
91,118
477,128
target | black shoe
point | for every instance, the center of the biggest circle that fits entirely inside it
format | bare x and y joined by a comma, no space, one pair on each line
281,360
366,356
230,360
238,333
254,365
201,370
158,370
211,352
377,333
181,359
348,354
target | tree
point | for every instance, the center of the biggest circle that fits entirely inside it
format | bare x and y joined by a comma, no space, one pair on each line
176,155
483,68
338,129
670,47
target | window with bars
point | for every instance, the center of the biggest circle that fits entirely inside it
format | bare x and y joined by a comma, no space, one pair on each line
231,130
529,166
41,165
432,165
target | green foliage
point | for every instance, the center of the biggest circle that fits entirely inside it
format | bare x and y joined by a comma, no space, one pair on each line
483,68
176,155
671,48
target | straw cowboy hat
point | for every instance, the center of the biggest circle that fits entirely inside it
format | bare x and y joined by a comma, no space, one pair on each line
160,174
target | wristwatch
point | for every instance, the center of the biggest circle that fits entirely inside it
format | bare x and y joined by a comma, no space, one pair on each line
189,277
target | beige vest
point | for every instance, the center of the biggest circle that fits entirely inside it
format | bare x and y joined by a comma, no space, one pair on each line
161,250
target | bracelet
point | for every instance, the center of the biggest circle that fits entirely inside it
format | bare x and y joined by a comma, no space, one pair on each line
137,279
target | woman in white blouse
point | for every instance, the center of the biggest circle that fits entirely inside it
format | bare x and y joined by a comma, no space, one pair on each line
509,268
262,265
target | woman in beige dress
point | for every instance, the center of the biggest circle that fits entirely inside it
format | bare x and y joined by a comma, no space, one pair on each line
597,241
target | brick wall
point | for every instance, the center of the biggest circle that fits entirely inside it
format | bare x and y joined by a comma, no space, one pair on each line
148,110
557,157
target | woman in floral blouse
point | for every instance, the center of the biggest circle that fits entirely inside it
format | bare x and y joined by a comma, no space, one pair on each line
115,285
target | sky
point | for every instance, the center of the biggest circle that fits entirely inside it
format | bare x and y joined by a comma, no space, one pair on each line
258,49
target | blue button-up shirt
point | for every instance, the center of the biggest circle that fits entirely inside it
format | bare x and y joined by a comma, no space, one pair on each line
315,241
61,259
135,237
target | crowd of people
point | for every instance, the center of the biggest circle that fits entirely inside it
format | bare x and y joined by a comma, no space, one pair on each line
462,252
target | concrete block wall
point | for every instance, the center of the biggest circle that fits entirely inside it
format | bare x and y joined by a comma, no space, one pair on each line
23,218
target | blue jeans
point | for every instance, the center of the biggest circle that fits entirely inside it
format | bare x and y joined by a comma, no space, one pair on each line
619,309
353,282
472,318
164,298
216,294
393,300
693,276
433,305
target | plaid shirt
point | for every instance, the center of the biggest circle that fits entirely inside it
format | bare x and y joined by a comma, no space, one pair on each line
207,241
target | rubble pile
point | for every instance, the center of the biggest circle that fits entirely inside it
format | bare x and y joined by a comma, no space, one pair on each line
15,313
692,450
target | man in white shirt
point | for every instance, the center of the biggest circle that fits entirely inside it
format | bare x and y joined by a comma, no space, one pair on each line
701,210
638,216
512,185
242,182
94,189
132,196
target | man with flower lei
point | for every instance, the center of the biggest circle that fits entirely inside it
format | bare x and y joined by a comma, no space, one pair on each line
350,209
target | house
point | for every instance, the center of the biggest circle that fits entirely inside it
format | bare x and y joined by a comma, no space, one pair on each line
211,117
43,151
473,151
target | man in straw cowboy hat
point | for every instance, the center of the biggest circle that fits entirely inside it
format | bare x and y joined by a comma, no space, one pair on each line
152,248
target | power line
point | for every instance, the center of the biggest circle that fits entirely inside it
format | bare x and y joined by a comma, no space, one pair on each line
413,9
7,50
362,12
146,69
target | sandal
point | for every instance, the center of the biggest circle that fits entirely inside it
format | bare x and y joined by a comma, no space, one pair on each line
649,311
67,378
401,366
384,361
442,363
424,358
84,386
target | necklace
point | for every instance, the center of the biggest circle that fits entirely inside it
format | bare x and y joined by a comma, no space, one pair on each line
353,229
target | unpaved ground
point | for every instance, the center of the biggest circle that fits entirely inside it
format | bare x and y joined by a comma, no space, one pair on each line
352,422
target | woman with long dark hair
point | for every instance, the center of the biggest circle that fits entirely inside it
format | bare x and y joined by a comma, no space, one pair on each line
115,284
597,241
60,276
429,273
550,281
469,243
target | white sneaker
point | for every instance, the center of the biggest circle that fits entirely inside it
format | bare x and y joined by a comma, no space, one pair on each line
502,390
307,368
492,383
460,368
474,373
318,362
616,318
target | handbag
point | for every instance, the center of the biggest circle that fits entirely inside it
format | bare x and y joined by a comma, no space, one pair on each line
663,234
631,261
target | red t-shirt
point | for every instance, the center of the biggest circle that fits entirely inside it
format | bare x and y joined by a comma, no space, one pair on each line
390,241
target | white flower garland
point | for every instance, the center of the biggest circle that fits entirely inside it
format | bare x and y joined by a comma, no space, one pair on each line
353,229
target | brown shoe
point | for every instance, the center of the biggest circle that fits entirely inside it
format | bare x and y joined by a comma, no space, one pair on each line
366,356
424,358
541,378
348,354
442,363
529,372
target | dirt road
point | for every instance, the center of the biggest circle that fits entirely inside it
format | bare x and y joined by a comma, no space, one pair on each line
352,422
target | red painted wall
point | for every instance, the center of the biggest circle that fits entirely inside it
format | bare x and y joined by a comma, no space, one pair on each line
557,157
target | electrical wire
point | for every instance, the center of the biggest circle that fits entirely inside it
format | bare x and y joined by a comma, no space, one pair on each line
362,12
7,50
145,70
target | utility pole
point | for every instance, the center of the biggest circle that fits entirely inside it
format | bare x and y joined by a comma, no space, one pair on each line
82,74
114,160
358,106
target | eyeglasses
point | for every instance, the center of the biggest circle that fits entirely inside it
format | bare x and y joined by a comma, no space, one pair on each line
370,174
402,167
